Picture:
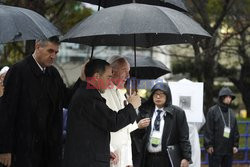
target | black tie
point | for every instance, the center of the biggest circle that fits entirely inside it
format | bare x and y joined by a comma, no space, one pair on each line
157,120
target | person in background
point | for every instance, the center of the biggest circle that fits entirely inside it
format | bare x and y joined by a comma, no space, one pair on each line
168,128
90,120
31,109
194,128
116,100
221,138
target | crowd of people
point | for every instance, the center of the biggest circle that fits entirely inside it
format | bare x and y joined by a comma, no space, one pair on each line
105,127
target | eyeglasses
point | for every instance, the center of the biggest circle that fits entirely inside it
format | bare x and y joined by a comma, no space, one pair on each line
159,94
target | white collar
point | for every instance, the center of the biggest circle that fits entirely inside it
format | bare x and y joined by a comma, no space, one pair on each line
156,108
42,69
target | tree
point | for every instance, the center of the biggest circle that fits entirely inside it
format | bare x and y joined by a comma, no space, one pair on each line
239,48
216,17
64,14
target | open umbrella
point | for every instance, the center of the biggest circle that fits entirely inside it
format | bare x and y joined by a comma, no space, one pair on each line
136,25
140,24
17,24
146,67
174,4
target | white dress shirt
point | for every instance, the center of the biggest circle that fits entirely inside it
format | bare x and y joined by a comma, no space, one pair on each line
149,146
42,69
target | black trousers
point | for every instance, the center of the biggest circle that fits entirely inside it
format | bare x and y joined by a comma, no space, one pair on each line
220,160
137,158
157,160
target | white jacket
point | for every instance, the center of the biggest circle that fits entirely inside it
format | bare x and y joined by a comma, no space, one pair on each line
120,140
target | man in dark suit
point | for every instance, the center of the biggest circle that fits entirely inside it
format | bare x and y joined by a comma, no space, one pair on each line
90,121
31,110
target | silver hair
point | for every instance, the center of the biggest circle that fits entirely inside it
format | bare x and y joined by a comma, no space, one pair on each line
43,42
53,39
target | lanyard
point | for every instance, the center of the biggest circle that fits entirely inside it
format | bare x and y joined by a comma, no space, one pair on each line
224,118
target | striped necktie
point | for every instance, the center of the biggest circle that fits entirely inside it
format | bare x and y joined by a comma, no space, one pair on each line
157,120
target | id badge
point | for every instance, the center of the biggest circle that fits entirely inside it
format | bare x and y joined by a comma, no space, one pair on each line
155,139
227,131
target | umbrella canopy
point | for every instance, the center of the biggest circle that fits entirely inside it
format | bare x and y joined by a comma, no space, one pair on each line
146,67
174,4
140,24
17,24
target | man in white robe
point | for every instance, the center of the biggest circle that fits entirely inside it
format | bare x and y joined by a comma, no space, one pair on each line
115,99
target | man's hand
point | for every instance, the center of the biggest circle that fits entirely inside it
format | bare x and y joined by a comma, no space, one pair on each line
143,123
1,90
210,150
184,163
114,158
235,150
5,159
1,84
135,100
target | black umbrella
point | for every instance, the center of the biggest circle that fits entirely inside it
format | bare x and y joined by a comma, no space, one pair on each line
146,67
140,24
174,4
17,24
136,25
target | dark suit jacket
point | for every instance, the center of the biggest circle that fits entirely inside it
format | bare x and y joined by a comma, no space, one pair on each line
90,122
19,117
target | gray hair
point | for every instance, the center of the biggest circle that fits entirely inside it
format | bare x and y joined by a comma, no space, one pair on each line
53,39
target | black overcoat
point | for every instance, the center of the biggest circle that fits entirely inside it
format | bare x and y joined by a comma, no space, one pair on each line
90,122
175,130
19,117
214,129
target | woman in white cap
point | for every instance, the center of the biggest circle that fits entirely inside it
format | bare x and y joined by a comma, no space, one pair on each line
2,75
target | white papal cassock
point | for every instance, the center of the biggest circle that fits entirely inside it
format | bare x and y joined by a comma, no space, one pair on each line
120,140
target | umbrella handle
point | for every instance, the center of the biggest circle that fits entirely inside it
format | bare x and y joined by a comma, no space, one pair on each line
131,86
135,61
92,52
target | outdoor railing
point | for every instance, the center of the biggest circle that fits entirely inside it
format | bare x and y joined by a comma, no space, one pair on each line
243,156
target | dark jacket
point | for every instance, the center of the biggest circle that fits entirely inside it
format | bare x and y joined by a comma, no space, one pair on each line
137,143
90,122
175,128
214,127
31,115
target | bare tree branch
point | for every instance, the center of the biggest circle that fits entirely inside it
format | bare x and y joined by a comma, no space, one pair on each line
200,9
227,38
59,11
56,3
226,7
